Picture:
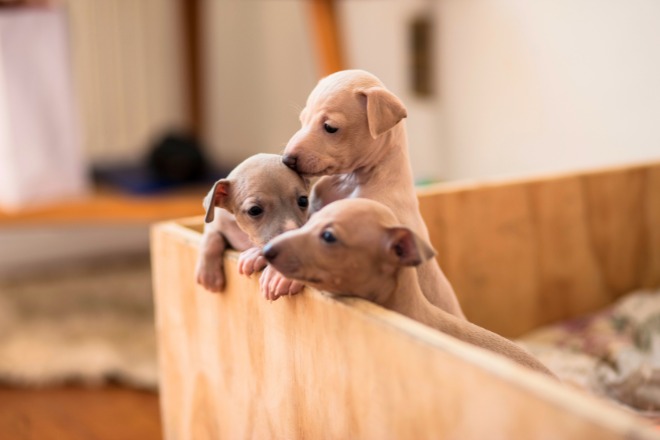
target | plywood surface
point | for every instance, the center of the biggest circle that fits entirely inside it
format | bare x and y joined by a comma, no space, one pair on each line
526,253
236,366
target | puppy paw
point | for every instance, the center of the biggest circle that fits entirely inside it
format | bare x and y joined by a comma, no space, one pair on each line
273,284
209,273
251,261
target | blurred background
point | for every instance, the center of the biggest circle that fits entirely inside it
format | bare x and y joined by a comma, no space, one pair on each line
493,87
144,91
118,113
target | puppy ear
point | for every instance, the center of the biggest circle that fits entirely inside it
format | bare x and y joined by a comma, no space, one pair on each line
218,196
384,110
407,248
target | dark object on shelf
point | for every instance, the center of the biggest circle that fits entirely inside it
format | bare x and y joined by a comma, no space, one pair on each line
175,160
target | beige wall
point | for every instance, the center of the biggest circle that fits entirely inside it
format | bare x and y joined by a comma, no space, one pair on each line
259,70
548,85
127,59
524,87
376,34
261,67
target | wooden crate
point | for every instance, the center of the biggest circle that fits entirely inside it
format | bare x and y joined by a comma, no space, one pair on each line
519,254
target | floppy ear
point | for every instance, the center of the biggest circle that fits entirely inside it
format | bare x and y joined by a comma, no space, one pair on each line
384,110
218,196
405,247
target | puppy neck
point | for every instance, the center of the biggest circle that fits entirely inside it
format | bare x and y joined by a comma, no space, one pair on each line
388,152
407,297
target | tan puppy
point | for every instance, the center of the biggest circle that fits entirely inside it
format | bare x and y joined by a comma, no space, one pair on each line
352,132
356,247
261,198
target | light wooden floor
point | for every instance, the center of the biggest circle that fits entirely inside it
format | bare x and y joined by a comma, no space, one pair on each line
73,413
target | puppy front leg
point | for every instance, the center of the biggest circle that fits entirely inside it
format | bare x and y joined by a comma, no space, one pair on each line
251,261
329,189
210,264
273,284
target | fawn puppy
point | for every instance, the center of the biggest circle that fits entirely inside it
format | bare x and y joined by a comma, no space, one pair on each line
358,247
259,199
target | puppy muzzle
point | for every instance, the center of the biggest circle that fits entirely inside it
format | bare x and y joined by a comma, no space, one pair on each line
290,161
270,252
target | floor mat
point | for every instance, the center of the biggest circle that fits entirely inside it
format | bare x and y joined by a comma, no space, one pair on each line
87,323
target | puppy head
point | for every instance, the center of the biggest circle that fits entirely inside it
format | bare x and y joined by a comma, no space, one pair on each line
350,247
266,197
343,124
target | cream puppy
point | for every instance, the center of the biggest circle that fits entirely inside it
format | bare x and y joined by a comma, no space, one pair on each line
261,198
353,134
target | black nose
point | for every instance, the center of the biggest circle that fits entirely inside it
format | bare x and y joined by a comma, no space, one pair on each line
290,161
269,252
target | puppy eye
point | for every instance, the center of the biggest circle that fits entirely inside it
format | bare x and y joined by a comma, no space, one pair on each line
328,237
303,201
255,211
329,128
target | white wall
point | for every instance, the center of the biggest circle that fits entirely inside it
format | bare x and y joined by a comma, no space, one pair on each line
523,87
130,83
259,70
261,67
376,38
548,85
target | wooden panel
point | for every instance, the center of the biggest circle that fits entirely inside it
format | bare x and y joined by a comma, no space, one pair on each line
236,366
191,32
651,275
324,24
526,253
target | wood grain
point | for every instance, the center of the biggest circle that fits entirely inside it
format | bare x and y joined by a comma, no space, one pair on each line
525,253
236,366
75,413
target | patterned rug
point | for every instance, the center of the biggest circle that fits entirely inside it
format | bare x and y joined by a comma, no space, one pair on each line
90,323
613,353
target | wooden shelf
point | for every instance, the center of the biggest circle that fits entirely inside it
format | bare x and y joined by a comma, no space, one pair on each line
109,206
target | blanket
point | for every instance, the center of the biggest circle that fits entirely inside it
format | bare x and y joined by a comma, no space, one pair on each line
614,353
